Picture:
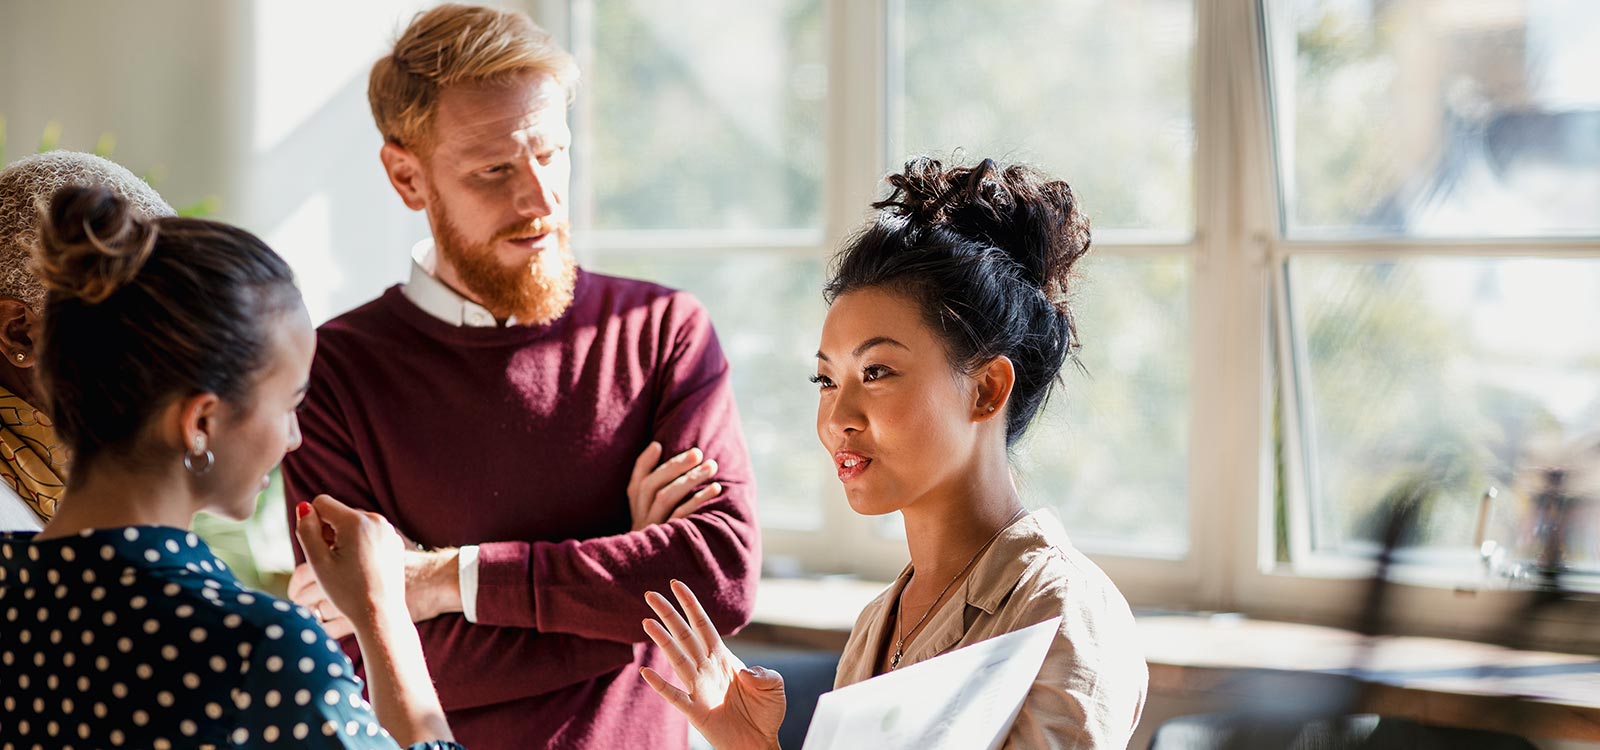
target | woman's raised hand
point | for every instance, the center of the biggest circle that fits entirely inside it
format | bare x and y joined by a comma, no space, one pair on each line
732,706
358,559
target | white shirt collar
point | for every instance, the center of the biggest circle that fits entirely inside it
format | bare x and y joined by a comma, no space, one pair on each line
436,298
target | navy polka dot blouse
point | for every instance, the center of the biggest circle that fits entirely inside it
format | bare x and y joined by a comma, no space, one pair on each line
140,637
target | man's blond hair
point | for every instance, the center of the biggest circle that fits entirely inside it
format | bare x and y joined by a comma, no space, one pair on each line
456,44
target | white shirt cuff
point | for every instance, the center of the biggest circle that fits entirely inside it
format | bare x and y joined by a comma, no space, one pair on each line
468,568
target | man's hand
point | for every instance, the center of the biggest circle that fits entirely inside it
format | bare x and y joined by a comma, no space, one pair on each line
433,588
660,493
306,591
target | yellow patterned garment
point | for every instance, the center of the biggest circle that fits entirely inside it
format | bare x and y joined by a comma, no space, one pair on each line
33,460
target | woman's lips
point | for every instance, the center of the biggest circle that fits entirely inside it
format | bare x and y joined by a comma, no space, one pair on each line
850,464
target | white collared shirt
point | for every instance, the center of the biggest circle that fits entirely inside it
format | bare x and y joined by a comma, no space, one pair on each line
436,298
16,515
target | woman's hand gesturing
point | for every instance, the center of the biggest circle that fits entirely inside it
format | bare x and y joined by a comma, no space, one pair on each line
732,706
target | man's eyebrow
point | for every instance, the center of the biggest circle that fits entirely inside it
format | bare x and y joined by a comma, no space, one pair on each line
485,151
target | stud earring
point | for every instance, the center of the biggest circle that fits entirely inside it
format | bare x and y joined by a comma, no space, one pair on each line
21,356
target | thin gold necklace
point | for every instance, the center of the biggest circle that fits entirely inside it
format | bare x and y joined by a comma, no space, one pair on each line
899,640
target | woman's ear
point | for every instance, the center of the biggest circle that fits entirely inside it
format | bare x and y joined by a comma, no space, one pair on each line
192,421
994,381
19,326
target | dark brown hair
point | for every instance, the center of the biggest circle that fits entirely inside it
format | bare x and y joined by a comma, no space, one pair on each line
141,311
987,252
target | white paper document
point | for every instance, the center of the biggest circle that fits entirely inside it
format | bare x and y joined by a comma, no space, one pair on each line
964,700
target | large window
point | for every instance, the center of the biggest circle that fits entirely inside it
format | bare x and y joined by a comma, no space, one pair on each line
1338,243
1462,369
1432,118
700,165
698,129
1413,140
1096,92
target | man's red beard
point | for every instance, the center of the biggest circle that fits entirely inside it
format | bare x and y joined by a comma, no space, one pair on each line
534,293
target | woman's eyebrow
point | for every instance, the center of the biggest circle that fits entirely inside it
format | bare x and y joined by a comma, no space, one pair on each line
868,344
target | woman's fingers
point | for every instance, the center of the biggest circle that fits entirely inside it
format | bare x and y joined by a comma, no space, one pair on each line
679,699
761,678
308,528
331,509
676,625
683,665
699,622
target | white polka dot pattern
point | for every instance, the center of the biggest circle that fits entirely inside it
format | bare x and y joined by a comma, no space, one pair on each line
176,653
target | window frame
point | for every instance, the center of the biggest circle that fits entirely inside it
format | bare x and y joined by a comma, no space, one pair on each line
1238,255
1319,586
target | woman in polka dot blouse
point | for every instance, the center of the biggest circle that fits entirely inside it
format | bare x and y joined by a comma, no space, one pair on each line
174,353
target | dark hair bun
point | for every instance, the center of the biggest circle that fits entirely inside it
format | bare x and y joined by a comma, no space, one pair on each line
1018,209
93,244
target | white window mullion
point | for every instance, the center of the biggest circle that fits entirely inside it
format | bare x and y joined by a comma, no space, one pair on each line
1218,426
857,129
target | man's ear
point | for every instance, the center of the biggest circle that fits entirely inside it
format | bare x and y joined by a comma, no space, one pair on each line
18,326
406,174
994,382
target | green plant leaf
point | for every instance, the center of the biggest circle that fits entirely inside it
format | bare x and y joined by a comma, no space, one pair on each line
104,146
50,139
202,208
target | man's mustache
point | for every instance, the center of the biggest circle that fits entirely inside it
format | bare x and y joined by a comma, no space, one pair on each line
530,228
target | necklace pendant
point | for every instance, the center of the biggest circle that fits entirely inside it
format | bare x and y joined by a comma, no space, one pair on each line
894,661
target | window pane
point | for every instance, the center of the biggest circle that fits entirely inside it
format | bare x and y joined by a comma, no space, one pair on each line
706,115
1111,451
1460,368
1438,117
1094,91
768,310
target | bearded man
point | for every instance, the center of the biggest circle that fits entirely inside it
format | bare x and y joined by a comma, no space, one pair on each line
556,441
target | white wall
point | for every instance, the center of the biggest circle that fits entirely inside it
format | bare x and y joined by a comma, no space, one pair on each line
261,103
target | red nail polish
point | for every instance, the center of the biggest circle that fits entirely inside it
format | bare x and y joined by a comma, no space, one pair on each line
301,510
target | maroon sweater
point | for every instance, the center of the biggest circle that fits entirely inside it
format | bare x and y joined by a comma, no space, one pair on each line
521,440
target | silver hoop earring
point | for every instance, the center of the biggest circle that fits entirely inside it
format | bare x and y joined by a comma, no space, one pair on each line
203,469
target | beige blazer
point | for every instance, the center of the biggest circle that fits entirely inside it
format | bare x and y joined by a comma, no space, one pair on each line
1091,689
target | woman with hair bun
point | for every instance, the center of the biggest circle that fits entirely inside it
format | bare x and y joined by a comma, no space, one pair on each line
948,323
174,353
